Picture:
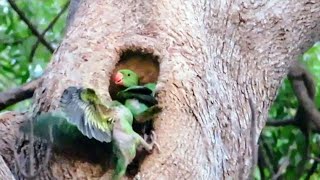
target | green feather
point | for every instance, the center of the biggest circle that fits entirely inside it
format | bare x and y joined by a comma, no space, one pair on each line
56,121
140,111
112,122
135,106
138,89
83,113
84,110
138,98
145,99
148,114
152,87
145,94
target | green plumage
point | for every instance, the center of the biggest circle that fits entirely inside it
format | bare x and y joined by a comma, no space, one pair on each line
104,122
144,94
139,99
58,124
84,110
82,113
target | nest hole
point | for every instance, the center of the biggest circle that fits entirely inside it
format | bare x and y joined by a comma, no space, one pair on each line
145,64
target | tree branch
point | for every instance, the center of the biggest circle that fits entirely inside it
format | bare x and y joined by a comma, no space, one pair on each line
312,169
18,94
253,135
285,122
307,113
315,159
30,25
304,90
34,47
283,166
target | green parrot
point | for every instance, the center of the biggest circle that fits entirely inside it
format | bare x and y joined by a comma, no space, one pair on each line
81,111
139,99
110,122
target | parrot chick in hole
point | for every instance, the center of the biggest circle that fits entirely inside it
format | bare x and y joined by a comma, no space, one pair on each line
112,122
139,99
143,64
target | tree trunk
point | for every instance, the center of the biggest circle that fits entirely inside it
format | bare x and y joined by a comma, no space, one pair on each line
213,56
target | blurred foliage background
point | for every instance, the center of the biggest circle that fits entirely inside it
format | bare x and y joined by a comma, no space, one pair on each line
23,59
287,143
18,63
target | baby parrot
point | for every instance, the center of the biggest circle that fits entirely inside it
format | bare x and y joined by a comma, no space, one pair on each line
139,99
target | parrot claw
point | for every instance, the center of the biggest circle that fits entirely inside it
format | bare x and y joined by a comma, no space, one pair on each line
150,146
154,143
145,136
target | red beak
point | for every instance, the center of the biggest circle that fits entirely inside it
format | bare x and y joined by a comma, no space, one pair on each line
118,78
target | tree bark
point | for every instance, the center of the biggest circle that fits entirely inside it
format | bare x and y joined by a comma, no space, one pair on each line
5,172
213,55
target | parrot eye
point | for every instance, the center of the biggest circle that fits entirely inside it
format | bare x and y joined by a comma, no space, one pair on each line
128,74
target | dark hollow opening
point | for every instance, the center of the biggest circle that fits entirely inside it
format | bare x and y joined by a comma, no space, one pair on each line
145,64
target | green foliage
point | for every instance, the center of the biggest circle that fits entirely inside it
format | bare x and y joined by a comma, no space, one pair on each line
312,60
17,41
288,141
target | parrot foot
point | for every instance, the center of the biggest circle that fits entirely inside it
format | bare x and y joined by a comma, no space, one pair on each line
153,138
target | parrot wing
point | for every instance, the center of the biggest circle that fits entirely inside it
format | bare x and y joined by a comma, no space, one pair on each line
82,109
145,94
151,86
42,123
51,124
138,89
149,100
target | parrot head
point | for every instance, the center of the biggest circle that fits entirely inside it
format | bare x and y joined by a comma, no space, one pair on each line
126,78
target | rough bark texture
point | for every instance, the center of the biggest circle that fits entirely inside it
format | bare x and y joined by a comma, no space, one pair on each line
9,123
5,172
213,56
